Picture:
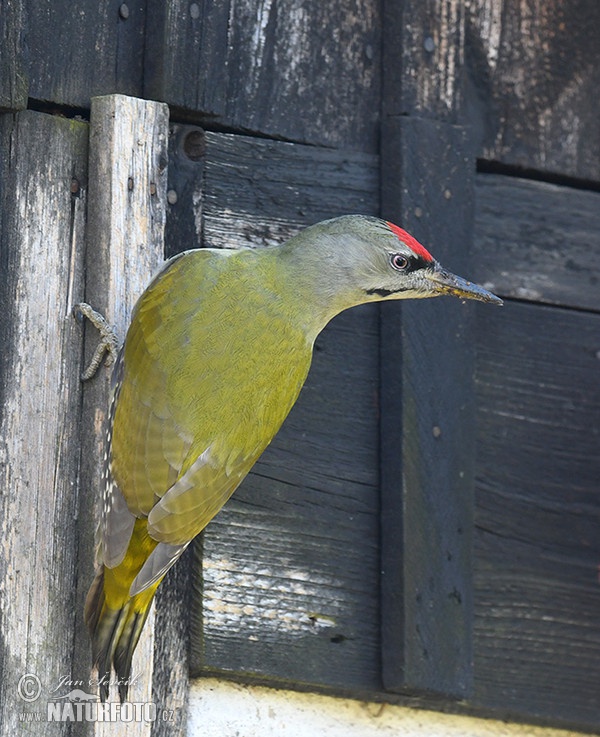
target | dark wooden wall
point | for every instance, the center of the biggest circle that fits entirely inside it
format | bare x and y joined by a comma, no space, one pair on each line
425,528
531,96
533,71
538,467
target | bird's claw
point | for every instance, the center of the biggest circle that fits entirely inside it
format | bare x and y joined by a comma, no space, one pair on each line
108,343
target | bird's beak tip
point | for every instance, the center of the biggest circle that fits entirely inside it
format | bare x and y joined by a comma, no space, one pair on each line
446,283
481,294
495,300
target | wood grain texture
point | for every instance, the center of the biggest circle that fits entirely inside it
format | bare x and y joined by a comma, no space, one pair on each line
289,569
427,423
78,51
537,547
423,50
279,188
170,673
534,72
126,217
247,191
537,241
41,256
308,73
187,154
13,66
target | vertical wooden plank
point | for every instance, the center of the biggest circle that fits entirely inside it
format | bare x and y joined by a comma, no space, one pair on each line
187,152
170,686
427,422
43,163
126,217
13,72
424,53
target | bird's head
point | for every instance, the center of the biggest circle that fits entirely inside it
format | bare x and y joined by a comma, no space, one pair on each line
365,259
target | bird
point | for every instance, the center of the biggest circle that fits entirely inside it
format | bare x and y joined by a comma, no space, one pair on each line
216,353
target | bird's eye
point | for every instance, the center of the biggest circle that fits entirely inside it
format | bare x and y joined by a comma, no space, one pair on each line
399,262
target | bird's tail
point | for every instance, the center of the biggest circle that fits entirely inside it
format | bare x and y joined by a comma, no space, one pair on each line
115,621
115,633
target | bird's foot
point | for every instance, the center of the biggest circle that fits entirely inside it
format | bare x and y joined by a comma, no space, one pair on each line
108,344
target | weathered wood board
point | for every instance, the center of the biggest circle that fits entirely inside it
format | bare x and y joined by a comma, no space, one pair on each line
290,567
537,547
125,247
537,241
239,191
81,50
427,433
533,70
520,74
308,73
314,74
170,668
423,51
13,65
279,188
43,170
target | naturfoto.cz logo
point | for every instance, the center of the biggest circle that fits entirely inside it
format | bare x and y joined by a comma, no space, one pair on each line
80,706
96,711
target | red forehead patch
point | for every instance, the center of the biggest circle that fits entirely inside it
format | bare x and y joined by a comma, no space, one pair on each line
411,242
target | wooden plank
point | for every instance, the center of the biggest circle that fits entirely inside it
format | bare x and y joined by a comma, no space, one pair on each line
537,241
534,72
13,71
239,191
427,414
289,569
170,673
78,51
126,216
279,188
309,73
537,636
187,154
423,50
43,168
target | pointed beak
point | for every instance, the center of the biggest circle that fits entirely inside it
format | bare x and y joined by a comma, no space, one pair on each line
443,282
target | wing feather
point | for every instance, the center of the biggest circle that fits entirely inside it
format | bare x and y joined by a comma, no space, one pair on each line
196,497
156,565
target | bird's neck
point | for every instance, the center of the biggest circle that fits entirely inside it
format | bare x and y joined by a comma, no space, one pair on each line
303,272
